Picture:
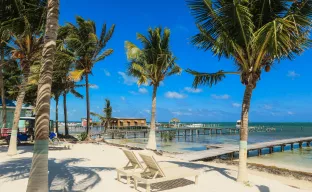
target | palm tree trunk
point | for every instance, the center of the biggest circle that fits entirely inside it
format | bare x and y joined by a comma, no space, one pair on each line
152,135
2,91
38,177
17,113
56,113
88,106
65,113
242,168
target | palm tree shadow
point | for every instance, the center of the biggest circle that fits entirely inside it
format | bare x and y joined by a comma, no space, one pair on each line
63,174
263,188
207,168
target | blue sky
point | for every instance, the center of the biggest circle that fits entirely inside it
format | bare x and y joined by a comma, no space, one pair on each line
282,95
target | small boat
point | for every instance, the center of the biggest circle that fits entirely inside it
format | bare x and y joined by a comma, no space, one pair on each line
238,124
195,125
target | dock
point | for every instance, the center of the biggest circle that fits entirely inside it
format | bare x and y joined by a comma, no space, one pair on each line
231,149
142,132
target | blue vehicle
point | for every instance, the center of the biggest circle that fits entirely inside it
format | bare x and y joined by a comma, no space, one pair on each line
28,126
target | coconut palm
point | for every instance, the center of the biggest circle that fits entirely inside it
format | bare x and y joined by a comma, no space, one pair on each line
255,34
105,120
62,83
70,87
89,49
26,49
152,64
38,178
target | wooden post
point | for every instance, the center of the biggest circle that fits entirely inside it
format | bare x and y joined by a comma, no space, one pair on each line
259,152
292,146
210,131
300,145
308,143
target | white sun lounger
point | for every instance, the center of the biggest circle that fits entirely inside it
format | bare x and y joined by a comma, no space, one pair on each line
135,166
155,173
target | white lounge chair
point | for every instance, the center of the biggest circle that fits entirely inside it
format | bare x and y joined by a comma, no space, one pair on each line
135,166
155,173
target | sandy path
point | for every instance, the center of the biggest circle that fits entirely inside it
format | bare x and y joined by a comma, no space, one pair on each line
91,167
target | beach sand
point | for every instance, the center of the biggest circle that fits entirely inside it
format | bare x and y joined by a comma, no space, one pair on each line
91,167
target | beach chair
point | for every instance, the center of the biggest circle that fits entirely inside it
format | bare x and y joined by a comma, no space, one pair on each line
155,173
135,166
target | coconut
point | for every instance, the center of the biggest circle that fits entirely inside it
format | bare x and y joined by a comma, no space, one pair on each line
267,68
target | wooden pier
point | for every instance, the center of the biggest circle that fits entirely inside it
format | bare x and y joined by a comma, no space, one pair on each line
231,149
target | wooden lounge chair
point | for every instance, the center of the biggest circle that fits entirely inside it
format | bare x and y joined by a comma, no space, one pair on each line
154,173
135,166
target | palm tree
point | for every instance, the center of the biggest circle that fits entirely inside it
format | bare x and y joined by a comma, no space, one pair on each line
152,64
105,120
62,83
69,87
26,49
254,34
89,49
38,178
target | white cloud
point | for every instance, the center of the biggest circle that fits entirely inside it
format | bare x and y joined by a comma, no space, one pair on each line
123,98
225,96
94,87
174,95
267,107
147,111
292,74
192,90
290,113
116,111
133,92
107,73
143,90
128,80
179,113
236,104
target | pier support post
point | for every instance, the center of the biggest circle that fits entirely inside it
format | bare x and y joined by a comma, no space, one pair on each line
292,146
300,145
308,143
282,147
259,152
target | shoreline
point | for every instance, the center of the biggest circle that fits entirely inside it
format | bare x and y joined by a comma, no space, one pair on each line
269,169
95,163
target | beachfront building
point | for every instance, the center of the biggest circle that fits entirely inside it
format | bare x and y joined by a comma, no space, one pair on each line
126,122
27,111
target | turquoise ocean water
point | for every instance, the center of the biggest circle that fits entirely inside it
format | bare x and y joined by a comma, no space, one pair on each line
298,159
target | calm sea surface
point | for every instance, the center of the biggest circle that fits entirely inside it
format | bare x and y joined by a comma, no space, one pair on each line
299,159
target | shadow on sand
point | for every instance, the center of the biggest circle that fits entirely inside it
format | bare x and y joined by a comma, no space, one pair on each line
207,168
263,188
63,174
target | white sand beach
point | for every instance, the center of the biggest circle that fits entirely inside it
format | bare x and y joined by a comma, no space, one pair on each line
91,167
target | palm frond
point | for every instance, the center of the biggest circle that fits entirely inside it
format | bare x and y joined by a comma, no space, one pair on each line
206,78
76,75
76,94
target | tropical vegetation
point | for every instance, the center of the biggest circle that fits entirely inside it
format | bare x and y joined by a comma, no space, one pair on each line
256,35
89,49
106,119
151,64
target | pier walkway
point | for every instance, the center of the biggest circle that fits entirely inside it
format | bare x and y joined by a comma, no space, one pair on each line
231,149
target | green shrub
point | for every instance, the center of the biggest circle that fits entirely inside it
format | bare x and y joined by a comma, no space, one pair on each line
83,136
